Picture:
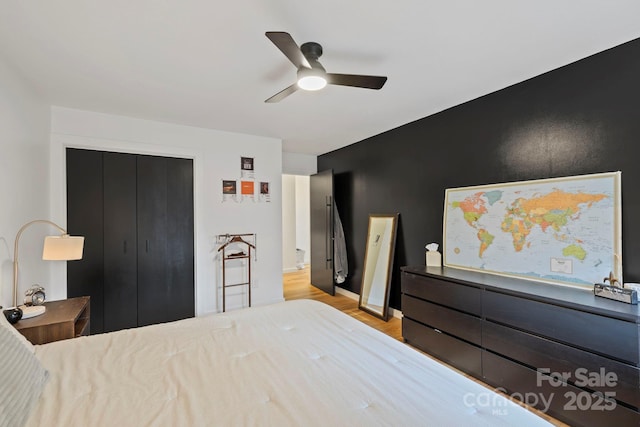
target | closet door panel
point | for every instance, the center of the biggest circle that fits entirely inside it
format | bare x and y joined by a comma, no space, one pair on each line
85,277
153,291
180,263
120,242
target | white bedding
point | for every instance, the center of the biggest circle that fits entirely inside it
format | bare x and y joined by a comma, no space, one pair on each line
298,363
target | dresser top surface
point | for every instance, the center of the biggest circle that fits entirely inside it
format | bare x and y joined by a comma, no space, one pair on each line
566,296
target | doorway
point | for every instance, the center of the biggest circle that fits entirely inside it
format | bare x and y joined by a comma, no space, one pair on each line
296,228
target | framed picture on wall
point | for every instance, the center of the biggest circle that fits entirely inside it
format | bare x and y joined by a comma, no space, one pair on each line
229,190
247,167
563,230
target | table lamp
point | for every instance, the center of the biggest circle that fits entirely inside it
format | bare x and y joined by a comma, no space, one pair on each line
56,248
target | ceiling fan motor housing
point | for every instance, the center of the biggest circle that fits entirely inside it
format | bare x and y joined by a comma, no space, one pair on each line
311,50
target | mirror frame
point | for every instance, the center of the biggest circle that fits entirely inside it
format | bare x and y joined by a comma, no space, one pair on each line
380,262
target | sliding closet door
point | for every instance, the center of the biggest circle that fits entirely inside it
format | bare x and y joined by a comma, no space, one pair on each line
85,218
120,258
165,239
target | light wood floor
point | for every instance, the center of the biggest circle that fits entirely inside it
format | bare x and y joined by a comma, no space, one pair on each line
297,285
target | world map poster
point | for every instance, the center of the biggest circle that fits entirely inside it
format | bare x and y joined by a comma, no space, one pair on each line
562,230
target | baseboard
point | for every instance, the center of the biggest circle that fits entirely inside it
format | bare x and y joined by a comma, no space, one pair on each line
346,293
294,269
352,295
396,313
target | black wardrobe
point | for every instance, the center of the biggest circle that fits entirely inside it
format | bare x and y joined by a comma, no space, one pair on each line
136,213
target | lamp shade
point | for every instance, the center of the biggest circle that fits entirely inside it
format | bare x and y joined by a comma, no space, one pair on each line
62,248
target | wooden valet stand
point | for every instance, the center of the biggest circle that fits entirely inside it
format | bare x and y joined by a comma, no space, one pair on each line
235,239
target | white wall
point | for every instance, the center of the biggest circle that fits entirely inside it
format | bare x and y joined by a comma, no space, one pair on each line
24,136
303,217
296,220
299,164
288,223
216,157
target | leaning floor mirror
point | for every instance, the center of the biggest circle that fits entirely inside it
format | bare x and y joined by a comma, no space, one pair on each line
378,263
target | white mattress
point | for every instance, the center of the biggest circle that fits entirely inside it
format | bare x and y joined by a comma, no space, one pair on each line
298,363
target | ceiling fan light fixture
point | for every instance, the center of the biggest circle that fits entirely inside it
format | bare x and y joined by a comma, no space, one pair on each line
312,83
311,79
311,74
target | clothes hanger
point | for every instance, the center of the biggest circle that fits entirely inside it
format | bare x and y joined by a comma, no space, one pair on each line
236,238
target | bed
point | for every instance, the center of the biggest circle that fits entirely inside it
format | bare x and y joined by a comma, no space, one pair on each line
296,363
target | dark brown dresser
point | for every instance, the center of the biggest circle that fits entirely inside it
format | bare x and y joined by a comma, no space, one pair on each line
559,349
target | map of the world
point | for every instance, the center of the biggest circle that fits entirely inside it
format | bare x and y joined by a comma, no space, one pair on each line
562,230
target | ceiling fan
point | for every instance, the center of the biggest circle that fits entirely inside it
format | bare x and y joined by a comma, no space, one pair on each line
311,74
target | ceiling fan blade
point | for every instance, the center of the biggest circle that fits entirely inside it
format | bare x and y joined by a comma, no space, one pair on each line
288,46
355,80
282,94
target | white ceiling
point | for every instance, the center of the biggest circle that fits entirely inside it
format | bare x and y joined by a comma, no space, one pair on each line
207,63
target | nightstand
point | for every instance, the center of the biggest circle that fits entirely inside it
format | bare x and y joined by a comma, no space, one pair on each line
63,319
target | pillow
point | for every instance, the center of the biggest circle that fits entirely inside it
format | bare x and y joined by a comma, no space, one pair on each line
22,377
5,323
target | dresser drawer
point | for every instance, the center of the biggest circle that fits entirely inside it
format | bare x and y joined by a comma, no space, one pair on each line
453,322
615,338
454,295
543,353
457,353
565,402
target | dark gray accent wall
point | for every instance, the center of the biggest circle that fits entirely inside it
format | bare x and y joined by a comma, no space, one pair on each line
579,119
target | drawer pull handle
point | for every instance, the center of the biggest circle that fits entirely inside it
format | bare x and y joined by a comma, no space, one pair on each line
437,330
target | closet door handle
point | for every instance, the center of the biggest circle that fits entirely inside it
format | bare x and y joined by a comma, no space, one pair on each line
146,245
329,231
